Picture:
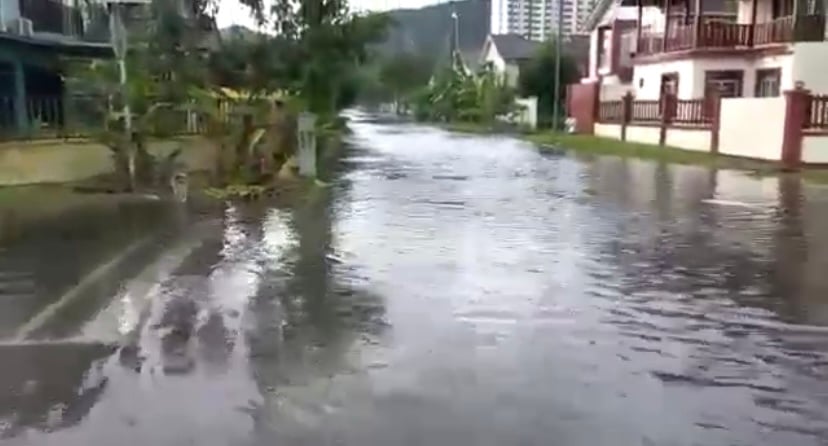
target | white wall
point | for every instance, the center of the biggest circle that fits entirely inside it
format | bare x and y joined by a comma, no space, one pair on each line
689,139
529,115
613,91
647,79
493,56
810,65
692,73
511,74
9,10
643,134
593,56
752,127
815,149
764,11
608,130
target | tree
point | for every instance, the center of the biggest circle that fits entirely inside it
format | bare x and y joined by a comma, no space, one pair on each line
537,77
403,73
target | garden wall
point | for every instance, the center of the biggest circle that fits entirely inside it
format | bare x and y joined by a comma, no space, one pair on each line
60,161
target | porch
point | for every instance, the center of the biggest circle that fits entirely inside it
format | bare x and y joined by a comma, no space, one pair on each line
687,27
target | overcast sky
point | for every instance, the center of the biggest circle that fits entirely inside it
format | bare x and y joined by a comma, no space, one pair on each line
231,12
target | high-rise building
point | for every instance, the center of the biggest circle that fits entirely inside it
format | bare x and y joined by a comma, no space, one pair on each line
538,19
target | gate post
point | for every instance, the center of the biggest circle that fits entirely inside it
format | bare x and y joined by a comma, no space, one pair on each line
626,114
667,106
715,120
797,102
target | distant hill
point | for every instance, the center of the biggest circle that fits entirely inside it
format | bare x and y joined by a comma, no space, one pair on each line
427,30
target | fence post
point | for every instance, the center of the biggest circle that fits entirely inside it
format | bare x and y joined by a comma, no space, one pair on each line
715,120
796,116
626,114
667,101
595,98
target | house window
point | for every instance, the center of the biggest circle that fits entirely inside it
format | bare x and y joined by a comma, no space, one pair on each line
728,83
767,82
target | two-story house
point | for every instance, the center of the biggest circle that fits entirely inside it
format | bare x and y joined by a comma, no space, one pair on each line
689,47
34,36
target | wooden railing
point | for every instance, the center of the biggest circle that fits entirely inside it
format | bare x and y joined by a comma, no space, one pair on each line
645,111
668,110
817,116
680,38
734,35
724,35
779,30
691,111
610,111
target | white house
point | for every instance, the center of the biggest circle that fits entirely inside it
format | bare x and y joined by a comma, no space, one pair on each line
688,47
505,53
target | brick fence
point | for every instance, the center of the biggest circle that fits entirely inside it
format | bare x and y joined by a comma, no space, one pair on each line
795,125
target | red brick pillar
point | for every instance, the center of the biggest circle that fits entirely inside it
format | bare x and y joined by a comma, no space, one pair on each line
626,114
797,102
668,102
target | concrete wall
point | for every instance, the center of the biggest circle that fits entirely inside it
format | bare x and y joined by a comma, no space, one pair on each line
752,127
643,134
689,139
810,65
613,92
608,130
815,149
58,161
647,77
529,115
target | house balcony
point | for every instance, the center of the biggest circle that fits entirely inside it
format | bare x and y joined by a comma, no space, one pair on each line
728,37
52,16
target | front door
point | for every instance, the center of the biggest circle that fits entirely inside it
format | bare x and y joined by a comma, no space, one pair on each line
669,84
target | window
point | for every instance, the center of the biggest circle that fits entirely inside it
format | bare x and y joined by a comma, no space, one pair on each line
727,82
767,82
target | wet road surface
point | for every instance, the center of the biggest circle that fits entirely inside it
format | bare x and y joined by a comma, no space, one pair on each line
453,289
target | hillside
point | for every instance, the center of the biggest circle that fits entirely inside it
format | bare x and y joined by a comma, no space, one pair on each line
427,30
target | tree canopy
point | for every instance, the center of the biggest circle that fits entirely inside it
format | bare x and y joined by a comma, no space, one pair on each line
537,77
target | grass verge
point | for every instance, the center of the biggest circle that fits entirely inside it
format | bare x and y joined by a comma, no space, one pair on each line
613,147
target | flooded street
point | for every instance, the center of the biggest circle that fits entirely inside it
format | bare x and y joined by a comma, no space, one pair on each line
444,290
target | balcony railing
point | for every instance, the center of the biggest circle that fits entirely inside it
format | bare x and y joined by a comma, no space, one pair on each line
733,35
52,16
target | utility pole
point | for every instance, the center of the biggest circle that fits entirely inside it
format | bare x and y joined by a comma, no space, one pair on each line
558,47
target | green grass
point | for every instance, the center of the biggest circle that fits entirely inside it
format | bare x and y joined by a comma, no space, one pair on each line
613,147
469,127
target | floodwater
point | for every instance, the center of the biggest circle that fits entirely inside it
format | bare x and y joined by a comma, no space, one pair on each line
448,290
